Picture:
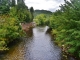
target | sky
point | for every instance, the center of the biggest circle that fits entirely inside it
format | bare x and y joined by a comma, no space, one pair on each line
51,5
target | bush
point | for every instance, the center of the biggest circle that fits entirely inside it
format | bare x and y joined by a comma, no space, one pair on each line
9,31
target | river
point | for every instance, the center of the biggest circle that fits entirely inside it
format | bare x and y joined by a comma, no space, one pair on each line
38,46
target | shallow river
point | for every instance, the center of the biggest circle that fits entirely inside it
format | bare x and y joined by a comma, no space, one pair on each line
38,46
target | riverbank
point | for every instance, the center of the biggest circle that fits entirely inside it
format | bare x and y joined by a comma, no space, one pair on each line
26,27
24,46
39,46
65,55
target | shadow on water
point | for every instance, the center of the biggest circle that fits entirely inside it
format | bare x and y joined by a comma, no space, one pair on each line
37,45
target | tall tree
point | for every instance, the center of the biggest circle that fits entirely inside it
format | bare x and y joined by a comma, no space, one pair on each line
4,6
66,24
13,2
20,1
32,11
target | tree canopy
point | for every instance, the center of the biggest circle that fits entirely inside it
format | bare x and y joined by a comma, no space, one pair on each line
65,24
10,19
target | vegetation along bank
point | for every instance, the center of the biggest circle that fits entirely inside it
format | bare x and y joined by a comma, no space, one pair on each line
11,15
65,24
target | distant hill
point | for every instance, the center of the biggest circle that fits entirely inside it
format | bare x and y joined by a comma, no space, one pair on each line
37,12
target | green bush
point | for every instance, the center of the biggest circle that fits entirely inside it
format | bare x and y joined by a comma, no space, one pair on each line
9,31
66,25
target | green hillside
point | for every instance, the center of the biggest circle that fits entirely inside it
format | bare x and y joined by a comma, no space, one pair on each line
37,12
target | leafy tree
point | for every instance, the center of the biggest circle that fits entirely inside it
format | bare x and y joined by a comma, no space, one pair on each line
25,15
4,7
65,23
41,19
10,29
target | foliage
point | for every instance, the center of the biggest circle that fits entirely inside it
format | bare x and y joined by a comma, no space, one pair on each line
25,15
38,12
10,29
4,7
41,19
65,23
13,3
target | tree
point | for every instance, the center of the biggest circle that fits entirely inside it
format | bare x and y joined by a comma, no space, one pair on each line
32,11
13,3
23,13
4,7
65,23
20,1
41,19
9,23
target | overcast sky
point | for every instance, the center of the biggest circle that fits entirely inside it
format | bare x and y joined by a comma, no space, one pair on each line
51,5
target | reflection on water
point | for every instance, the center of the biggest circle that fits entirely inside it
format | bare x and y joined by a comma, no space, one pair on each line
36,47
41,47
16,52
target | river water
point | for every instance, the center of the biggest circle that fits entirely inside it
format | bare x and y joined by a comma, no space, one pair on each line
38,46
